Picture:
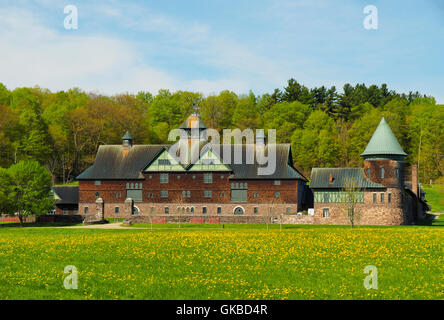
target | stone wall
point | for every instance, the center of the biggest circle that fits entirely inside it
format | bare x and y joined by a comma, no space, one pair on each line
258,219
368,212
192,209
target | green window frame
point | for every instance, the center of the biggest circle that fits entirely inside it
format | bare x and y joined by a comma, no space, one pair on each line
164,178
164,193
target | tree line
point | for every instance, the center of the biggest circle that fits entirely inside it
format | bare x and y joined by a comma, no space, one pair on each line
326,128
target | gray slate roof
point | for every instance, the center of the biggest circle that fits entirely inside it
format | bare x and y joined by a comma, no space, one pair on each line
320,178
127,136
67,194
383,142
111,164
284,164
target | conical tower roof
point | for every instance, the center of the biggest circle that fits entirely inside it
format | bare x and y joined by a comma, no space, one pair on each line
383,142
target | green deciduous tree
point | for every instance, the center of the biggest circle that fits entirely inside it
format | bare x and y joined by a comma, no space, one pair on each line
25,190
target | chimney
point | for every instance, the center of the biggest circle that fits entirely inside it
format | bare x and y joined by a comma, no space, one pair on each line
330,178
415,180
260,137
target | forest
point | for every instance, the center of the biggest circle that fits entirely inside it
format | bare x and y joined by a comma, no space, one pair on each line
325,127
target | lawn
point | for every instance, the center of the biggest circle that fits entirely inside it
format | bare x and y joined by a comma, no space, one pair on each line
435,196
237,262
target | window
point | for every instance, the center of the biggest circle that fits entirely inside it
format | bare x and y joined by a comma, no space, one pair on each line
164,193
277,194
152,210
192,209
65,212
207,162
326,212
164,162
178,177
167,210
208,178
97,194
326,197
186,194
219,210
164,178
150,177
204,210
382,198
277,182
368,173
397,173
136,195
97,183
118,195
335,197
116,210
255,210
389,197
85,210
382,173
288,210
374,198
208,193
221,176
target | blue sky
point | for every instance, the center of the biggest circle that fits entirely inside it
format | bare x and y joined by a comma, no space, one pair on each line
212,45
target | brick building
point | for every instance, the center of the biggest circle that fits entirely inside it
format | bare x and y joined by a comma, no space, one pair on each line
131,180
385,196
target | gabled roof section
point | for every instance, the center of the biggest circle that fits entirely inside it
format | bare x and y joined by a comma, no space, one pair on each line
164,161
383,142
209,161
113,164
66,194
244,170
320,178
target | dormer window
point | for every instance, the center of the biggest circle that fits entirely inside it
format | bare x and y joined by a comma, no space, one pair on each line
207,161
164,162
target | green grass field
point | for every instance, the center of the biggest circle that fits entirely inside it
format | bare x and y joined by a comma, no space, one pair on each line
435,196
237,262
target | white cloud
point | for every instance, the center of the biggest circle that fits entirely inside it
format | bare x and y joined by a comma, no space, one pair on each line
33,54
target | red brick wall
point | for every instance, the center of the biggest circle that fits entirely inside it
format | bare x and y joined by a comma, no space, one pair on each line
221,184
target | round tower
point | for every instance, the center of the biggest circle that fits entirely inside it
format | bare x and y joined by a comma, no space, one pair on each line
384,158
